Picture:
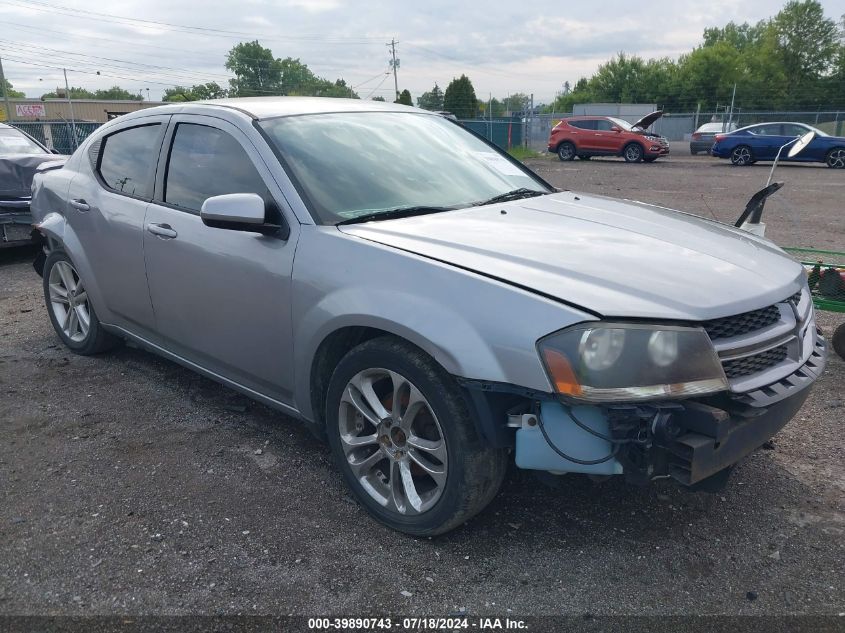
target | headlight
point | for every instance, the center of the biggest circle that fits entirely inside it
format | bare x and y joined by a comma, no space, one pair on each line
612,362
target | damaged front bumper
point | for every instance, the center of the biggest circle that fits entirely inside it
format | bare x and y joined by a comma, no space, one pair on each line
688,440
16,223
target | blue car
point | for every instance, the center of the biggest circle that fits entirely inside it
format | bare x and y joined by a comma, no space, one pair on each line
747,145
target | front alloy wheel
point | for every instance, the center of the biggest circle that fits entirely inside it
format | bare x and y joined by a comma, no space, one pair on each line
404,440
392,441
836,158
633,153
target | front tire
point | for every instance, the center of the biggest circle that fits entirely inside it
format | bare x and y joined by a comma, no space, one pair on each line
566,151
838,341
836,158
70,308
741,156
403,438
633,153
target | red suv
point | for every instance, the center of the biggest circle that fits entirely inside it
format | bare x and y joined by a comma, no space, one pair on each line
586,136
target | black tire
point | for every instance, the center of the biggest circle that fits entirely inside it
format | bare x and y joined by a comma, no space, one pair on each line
835,158
693,152
584,156
96,340
650,159
475,471
742,156
566,151
633,153
838,341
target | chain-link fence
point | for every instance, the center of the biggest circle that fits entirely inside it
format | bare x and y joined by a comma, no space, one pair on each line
58,136
506,133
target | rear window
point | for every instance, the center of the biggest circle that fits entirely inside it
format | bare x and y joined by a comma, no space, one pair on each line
14,142
128,159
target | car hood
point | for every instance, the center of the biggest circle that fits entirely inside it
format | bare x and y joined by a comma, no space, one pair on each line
614,258
17,170
647,121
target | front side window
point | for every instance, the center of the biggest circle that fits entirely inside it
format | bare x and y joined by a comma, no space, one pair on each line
603,125
128,158
15,142
350,165
206,162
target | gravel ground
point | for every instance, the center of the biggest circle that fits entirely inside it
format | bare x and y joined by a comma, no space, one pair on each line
131,485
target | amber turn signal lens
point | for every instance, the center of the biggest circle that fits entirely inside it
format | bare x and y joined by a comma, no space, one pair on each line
561,373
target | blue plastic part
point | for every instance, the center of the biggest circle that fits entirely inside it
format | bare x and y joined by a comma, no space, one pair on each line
534,453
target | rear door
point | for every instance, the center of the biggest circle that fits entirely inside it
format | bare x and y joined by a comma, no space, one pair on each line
107,202
221,297
584,134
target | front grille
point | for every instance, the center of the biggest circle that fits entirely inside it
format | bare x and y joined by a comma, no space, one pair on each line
745,323
752,364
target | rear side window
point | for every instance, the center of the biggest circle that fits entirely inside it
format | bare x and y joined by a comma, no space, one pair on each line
584,125
206,162
128,158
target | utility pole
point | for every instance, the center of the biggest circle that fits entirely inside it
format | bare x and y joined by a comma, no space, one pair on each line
731,115
70,105
394,64
5,94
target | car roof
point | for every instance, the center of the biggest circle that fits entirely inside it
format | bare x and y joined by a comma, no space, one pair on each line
715,125
272,107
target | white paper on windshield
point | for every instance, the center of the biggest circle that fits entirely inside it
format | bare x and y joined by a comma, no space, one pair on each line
500,163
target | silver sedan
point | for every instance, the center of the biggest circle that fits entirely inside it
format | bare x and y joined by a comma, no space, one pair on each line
428,303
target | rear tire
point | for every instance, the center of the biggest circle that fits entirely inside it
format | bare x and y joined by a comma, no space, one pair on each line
633,153
836,158
71,311
838,341
419,467
741,156
566,151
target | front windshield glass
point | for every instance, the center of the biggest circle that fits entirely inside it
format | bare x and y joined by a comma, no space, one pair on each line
349,165
623,124
13,142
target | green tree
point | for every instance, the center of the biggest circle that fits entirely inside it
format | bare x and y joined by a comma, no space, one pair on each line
75,93
707,75
257,72
378,98
405,98
517,102
459,98
116,93
200,92
431,100
11,92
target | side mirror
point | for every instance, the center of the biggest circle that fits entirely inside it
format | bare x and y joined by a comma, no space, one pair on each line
237,212
616,128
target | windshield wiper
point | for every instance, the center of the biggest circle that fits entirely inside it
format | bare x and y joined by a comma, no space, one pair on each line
516,194
392,214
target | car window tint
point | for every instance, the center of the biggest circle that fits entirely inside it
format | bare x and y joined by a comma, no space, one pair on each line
584,125
603,126
128,158
766,130
790,129
206,162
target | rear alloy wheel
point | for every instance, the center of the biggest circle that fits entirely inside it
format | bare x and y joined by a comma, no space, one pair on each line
70,309
836,158
566,151
633,153
741,156
401,435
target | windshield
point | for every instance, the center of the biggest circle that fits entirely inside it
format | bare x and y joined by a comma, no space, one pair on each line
623,124
350,165
13,142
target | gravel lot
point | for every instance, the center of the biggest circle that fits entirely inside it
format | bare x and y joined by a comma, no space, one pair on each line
131,485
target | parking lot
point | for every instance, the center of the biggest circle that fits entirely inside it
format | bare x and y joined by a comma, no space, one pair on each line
131,485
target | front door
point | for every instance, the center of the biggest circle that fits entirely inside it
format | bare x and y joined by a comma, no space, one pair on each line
221,297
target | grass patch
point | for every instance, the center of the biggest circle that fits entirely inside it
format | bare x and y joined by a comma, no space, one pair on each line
522,153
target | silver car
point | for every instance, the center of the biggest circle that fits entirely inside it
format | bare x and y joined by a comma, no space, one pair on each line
431,305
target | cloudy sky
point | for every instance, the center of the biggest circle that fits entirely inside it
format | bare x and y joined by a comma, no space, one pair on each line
504,46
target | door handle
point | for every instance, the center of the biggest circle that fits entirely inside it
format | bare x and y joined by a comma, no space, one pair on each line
79,204
162,230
